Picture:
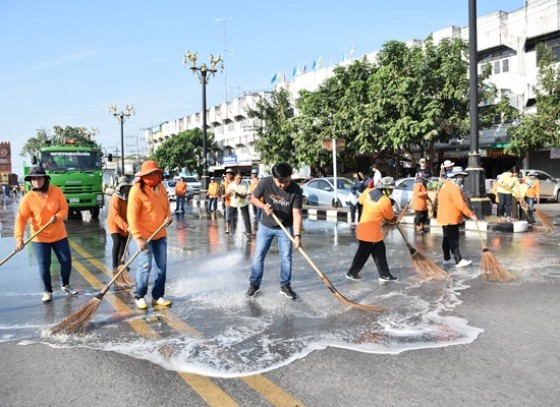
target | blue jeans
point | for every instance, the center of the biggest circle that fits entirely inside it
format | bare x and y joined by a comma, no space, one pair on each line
531,207
156,251
62,250
264,240
212,204
180,203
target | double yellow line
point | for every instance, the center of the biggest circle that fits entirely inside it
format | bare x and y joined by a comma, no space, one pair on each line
202,385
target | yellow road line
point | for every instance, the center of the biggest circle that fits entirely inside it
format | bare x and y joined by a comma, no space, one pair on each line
204,386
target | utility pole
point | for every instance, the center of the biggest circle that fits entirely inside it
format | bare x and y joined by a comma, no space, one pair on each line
225,65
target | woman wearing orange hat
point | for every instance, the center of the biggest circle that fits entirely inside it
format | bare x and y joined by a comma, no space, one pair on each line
148,209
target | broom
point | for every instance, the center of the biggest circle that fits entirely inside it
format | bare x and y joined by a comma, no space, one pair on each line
79,320
423,266
491,268
366,307
545,220
123,279
33,236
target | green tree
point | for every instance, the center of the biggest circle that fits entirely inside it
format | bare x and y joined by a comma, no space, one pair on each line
276,129
184,150
60,135
540,130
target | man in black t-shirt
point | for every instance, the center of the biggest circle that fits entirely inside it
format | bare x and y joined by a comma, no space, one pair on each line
283,197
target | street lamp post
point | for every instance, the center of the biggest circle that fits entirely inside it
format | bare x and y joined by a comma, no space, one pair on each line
475,183
202,72
121,117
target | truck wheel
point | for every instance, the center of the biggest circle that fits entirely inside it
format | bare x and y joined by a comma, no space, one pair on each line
94,213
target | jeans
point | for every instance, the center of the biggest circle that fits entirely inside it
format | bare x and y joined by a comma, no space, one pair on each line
504,205
62,250
265,235
212,204
180,203
157,252
530,208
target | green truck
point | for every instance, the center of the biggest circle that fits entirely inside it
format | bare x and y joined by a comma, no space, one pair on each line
77,170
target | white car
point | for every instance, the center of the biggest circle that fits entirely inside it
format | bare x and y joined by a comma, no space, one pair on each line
320,191
170,188
194,184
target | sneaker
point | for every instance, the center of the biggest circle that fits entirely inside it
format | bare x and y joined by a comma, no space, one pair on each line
47,297
448,261
353,277
252,291
68,289
388,278
248,234
161,302
141,303
288,292
463,263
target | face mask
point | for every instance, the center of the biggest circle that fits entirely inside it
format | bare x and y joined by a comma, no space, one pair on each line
152,180
44,188
458,181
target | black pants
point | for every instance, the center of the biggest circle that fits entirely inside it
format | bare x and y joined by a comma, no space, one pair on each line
450,243
244,213
421,218
377,251
119,242
504,204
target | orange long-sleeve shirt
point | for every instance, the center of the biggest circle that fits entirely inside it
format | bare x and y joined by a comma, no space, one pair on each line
451,206
40,208
419,197
116,218
534,191
181,188
147,210
374,211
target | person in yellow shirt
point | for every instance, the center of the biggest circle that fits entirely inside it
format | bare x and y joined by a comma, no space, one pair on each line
452,208
180,195
117,223
376,208
213,195
148,208
46,204
508,184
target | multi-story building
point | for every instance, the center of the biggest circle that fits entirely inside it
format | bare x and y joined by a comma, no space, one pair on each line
506,40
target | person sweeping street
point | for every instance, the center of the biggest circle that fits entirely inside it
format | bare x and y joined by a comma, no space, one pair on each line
117,223
452,207
148,208
45,204
376,208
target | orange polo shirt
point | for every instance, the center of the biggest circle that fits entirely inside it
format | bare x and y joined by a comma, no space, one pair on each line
419,197
452,205
374,211
147,211
181,188
534,191
116,218
40,209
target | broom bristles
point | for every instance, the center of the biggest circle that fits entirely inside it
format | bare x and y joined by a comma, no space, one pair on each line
124,279
79,320
545,220
427,268
492,270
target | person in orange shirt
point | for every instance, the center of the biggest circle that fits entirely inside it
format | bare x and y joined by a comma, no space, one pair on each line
116,220
148,208
46,204
213,195
180,194
376,208
419,201
532,194
254,182
227,198
452,207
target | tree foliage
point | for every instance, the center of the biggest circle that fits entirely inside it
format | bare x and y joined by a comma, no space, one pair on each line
59,135
540,130
184,151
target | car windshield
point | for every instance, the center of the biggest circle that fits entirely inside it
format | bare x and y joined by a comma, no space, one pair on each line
191,179
341,183
70,160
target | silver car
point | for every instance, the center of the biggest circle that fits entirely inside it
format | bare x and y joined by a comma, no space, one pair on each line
320,191
402,193
549,186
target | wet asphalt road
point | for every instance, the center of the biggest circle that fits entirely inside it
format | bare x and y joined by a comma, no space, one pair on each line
514,362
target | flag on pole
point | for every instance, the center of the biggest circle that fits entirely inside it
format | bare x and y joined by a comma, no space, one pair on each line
294,72
273,80
320,63
314,66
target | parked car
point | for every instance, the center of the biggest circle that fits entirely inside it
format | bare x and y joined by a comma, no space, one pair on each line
170,188
550,186
320,191
402,194
194,183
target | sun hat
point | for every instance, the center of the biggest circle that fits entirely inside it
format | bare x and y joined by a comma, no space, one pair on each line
229,171
123,181
386,183
254,171
36,172
457,171
147,168
447,164
211,178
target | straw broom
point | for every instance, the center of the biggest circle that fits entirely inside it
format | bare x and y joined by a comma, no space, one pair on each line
124,279
33,236
545,220
491,268
326,281
79,320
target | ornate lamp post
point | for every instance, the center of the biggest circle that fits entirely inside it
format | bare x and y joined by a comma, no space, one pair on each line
121,117
202,72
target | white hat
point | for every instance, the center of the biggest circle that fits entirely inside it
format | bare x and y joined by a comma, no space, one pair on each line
457,171
447,163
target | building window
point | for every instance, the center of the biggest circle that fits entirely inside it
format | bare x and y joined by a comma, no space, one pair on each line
505,65
496,67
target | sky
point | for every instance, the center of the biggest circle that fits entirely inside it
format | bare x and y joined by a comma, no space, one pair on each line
64,62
